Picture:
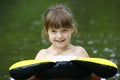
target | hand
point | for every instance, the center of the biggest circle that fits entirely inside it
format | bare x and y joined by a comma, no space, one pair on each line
94,77
33,78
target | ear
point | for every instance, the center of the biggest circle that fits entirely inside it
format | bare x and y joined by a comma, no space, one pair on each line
72,30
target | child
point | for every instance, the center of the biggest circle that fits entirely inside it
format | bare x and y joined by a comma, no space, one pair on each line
59,26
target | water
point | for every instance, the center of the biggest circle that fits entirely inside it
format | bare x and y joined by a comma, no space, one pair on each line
21,23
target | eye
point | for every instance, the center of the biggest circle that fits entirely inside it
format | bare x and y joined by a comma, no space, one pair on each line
64,30
54,31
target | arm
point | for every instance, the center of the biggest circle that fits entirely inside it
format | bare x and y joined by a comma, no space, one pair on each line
33,78
41,54
94,77
85,55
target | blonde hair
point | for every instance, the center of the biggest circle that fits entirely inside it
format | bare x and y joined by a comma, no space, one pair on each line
58,16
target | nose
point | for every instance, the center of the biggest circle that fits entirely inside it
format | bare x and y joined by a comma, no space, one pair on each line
59,35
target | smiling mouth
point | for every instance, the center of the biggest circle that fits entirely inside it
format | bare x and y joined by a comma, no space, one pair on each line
60,41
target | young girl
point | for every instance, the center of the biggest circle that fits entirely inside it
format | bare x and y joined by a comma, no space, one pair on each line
59,26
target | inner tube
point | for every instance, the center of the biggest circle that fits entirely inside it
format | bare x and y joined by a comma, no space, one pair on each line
101,67
77,68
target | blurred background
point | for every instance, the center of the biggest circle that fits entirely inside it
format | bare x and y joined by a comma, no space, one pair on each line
21,22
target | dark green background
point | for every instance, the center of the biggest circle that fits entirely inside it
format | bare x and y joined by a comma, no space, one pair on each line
21,22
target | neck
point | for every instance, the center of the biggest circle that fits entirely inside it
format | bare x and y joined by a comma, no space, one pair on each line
56,51
62,48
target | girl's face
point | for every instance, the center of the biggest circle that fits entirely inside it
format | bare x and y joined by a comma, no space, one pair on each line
60,37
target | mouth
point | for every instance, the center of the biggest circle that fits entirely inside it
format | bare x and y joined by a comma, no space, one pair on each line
59,41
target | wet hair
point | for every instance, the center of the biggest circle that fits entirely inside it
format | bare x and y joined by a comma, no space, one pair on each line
58,16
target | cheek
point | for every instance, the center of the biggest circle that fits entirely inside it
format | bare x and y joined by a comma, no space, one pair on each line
68,36
51,38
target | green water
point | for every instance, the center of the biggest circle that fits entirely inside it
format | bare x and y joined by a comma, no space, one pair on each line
21,23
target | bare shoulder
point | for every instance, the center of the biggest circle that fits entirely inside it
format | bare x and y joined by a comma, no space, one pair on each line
41,54
42,51
82,52
79,48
